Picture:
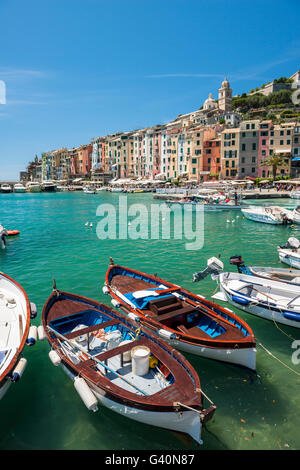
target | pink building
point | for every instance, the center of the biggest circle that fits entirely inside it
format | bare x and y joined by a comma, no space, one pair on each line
265,128
86,159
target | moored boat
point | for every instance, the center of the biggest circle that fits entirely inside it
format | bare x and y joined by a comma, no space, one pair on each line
185,320
6,188
19,188
33,187
265,298
290,253
15,331
295,194
296,215
274,215
49,186
126,369
290,276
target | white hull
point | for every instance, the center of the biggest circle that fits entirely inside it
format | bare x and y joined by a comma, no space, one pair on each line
255,308
289,257
261,217
187,422
23,190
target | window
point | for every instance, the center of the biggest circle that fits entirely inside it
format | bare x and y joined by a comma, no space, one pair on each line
281,133
208,160
194,171
233,163
253,170
227,172
243,146
194,160
288,142
263,142
253,159
252,126
254,134
243,134
288,132
281,142
271,142
247,126
243,170
254,146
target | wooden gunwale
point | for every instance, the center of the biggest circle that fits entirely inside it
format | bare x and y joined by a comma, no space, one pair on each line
25,334
187,391
153,323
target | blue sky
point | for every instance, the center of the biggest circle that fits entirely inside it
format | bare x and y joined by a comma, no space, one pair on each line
77,69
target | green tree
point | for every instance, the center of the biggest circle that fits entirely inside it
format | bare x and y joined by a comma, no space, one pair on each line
274,161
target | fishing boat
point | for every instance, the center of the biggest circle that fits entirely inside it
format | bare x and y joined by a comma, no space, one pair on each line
6,188
113,361
33,187
290,276
15,331
265,298
274,215
290,253
185,320
19,188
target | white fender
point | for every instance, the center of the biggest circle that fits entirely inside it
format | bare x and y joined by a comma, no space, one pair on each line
33,310
134,317
105,290
166,334
115,303
32,335
54,357
18,370
86,394
41,333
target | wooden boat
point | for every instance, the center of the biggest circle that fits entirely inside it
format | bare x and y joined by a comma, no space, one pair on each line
15,331
274,215
185,320
101,351
290,276
265,298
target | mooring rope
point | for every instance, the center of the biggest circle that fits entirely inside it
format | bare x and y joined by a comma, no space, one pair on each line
281,362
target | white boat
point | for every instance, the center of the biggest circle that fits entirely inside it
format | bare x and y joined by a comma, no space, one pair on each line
274,215
290,276
19,188
295,195
271,300
296,215
99,190
6,188
33,187
290,253
15,331
49,186
89,190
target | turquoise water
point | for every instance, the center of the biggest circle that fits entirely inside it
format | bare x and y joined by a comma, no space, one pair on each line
43,411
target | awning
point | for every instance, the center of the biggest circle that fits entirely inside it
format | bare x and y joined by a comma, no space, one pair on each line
295,159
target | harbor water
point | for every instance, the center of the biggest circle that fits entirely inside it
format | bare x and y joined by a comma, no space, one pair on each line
43,410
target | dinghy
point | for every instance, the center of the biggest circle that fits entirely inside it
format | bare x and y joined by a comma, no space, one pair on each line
15,331
274,215
290,252
187,321
114,361
265,298
290,276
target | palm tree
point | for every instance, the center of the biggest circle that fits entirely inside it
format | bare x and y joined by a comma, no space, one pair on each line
274,161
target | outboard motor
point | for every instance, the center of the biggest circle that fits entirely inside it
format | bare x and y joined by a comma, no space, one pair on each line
239,263
214,266
292,244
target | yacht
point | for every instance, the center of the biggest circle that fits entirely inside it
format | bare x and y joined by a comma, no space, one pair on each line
33,187
19,188
6,188
49,186
269,215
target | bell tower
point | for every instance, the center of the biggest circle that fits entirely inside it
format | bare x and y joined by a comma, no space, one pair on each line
225,97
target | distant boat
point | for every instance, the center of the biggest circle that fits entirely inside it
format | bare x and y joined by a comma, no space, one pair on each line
127,369
49,186
185,320
274,215
89,190
271,300
33,187
6,188
19,188
295,195
15,331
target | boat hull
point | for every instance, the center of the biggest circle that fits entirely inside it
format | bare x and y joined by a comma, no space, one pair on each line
261,218
187,422
287,257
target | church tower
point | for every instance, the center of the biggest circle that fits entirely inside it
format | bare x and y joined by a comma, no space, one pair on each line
225,97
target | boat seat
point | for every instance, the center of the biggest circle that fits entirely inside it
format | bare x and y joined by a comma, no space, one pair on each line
163,305
90,329
175,313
